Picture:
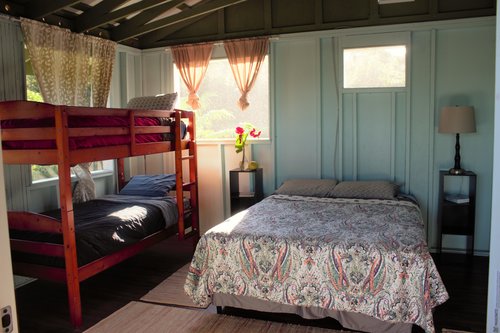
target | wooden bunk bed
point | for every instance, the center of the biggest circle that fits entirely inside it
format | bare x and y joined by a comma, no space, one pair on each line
49,138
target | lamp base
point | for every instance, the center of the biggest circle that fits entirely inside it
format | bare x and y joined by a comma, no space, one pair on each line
456,171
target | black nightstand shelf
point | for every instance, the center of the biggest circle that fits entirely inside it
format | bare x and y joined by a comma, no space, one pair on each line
243,200
457,218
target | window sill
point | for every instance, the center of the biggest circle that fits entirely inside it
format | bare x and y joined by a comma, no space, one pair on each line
203,142
53,181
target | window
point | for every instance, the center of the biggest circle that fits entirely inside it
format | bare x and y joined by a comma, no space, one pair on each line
46,172
219,114
375,67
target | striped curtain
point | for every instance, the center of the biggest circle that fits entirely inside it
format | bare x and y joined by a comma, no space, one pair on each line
13,87
12,76
192,63
245,58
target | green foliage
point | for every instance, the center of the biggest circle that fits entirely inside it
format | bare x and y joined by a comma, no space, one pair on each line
39,172
33,89
34,96
32,83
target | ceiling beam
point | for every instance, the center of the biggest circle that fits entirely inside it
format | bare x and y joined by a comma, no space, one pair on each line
149,39
83,22
148,15
36,9
103,15
119,35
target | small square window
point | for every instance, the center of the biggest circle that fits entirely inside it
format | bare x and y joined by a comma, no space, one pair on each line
375,67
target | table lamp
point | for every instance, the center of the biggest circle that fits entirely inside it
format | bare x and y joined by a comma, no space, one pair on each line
457,119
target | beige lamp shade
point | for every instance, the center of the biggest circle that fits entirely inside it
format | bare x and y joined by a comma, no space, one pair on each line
457,119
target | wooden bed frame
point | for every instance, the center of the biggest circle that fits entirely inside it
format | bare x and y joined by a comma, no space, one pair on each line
65,157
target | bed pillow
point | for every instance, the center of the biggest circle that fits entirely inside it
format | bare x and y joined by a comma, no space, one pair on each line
366,190
149,185
307,187
158,102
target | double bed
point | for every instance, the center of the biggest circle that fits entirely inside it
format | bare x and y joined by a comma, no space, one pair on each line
346,254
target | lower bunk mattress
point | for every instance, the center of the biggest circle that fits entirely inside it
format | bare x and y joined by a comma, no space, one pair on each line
104,226
363,256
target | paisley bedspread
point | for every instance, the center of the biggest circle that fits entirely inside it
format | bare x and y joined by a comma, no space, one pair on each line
357,255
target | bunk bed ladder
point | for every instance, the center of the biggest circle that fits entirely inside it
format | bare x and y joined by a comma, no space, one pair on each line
192,185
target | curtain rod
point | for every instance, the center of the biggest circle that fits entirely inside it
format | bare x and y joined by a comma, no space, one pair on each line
8,17
221,42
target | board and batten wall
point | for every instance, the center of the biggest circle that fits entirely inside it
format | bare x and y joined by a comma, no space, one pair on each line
320,130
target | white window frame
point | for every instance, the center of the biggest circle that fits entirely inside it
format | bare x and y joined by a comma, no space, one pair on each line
376,40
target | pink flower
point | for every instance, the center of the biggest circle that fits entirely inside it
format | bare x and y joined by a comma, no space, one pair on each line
240,130
253,134
241,136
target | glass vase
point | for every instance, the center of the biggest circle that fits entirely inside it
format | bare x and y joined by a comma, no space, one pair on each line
243,159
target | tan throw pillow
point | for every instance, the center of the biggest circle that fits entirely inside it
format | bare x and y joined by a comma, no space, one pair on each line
307,187
366,190
158,102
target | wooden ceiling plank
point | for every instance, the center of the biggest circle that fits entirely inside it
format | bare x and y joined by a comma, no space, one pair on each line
203,8
162,33
92,20
148,15
36,9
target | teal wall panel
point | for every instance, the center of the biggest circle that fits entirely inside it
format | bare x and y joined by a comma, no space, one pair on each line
465,62
297,126
374,124
329,108
422,121
347,138
400,160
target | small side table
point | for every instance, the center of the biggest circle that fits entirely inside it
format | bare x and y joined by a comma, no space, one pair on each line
457,217
243,200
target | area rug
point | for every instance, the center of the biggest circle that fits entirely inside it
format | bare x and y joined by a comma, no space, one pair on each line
140,317
171,291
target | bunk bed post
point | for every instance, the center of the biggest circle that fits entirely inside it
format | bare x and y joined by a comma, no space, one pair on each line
179,181
67,218
193,176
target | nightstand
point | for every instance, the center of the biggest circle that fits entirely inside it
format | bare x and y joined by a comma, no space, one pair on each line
241,200
456,211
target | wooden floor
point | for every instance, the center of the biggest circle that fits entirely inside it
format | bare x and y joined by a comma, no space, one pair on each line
42,306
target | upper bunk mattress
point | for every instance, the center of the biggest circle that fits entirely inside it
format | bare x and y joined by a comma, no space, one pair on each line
90,141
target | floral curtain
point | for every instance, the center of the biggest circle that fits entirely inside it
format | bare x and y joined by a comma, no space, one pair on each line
101,67
245,58
70,68
192,63
60,61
